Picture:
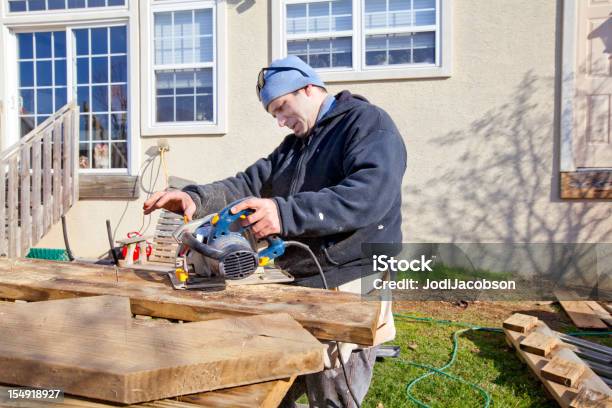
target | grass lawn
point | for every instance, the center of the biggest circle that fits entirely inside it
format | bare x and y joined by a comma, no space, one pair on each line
483,358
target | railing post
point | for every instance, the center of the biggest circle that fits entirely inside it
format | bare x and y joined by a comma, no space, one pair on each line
47,182
37,225
66,121
57,171
75,153
13,184
3,176
26,222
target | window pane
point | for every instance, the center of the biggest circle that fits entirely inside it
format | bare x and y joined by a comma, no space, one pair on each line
26,73
99,95
35,5
183,50
424,48
76,3
57,4
43,45
165,109
119,126
204,81
119,155
99,70
17,5
84,127
165,83
99,124
183,23
82,70
318,19
27,98
342,15
203,22
83,98
296,18
425,18
204,108
185,108
116,2
119,69
399,13
26,48
60,98
118,98
319,53
28,123
99,40
43,73
163,51
44,101
60,72
163,25
101,152
95,3
59,44
204,49
84,153
185,83
82,41
342,55
118,39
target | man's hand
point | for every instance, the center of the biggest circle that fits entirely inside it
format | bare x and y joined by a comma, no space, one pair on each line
265,220
176,201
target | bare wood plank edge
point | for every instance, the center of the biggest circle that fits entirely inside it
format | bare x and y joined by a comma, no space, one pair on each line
93,186
586,185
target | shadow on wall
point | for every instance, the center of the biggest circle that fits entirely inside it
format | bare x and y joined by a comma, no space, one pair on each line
502,187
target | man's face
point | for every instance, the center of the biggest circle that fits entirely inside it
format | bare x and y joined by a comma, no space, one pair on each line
296,110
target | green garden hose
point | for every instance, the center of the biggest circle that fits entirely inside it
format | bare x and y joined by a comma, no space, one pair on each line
441,370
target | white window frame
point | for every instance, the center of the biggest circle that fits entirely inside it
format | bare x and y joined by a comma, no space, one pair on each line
149,126
68,20
28,14
360,72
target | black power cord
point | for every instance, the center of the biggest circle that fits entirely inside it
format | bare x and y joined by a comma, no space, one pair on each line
316,261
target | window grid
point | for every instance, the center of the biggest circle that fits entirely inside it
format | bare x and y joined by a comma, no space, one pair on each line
31,118
330,56
45,5
203,109
103,123
386,34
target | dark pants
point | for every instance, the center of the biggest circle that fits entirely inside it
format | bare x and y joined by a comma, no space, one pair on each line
327,389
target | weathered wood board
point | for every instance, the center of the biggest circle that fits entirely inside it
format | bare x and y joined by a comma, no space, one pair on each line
328,315
89,347
261,395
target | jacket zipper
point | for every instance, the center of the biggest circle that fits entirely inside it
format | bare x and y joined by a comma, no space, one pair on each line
298,168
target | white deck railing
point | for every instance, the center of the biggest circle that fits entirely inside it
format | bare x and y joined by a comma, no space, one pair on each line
40,181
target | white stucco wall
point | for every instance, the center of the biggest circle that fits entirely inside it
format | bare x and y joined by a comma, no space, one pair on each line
482,145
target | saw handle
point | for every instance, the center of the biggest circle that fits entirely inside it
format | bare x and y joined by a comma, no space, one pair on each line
224,219
276,247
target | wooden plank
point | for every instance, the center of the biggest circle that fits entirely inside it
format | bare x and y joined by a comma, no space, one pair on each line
111,359
600,312
57,172
539,344
13,183
47,182
37,228
24,200
326,314
93,186
586,185
562,371
263,395
587,398
3,203
582,315
521,323
253,395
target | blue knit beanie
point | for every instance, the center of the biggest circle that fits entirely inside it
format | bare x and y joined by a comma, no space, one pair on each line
282,82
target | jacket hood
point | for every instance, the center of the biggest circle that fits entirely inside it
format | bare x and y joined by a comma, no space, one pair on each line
345,101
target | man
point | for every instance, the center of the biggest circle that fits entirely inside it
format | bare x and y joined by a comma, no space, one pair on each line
333,184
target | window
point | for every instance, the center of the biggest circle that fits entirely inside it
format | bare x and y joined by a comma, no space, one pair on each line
185,70
41,66
42,5
350,40
102,96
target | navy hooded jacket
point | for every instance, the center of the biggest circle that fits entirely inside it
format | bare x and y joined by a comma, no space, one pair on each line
336,189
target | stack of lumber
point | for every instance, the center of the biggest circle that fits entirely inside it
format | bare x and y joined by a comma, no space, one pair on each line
91,347
585,314
570,379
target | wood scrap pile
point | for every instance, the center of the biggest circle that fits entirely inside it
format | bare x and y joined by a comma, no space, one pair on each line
575,372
